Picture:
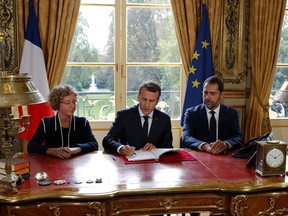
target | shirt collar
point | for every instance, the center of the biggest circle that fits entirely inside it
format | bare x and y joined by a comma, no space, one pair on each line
217,110
142,114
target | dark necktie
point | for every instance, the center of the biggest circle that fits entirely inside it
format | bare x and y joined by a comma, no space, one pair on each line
212,127
145,129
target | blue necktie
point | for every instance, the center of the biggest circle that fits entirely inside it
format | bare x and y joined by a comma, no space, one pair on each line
212,127
145,129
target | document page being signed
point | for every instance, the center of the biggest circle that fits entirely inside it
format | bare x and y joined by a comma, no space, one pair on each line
154,154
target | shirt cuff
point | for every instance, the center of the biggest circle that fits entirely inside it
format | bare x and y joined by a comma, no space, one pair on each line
118,149
200,146
228,145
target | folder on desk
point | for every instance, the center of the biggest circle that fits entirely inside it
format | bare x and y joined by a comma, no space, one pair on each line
176,155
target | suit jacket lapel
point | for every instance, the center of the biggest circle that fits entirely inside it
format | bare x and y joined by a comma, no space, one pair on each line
137,118
222,113
203,115
154,125
139,129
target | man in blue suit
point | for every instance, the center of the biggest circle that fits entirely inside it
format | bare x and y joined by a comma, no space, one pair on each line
126,134
197,129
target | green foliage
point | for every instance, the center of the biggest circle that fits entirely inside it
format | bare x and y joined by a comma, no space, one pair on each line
282,73
151,40
81,51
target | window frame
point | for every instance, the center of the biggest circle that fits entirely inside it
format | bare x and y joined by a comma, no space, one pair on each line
120,63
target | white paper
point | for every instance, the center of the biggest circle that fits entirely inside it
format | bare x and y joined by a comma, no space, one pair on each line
154,154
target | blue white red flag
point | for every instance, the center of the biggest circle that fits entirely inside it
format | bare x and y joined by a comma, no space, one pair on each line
32,63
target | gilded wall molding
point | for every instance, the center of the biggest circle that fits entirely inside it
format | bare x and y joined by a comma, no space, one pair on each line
233,42
8,25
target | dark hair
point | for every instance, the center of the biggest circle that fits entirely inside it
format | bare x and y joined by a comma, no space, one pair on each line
58,93
150,86
215,80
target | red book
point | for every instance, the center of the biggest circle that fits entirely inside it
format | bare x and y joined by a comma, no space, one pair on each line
20,171
16,163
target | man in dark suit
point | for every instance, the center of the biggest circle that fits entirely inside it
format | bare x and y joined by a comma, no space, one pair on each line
127,132
197,131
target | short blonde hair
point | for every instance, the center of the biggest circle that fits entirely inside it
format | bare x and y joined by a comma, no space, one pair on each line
58,93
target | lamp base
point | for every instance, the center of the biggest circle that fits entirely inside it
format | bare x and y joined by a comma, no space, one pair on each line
9,183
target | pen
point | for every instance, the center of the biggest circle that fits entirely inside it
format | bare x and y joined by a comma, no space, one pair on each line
113,159
130,146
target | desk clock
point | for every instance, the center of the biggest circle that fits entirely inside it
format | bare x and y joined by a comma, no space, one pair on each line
271,158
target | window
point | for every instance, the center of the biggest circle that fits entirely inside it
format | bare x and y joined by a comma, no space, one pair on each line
279,109
117,45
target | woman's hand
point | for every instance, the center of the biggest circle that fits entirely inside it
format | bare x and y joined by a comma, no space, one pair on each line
63,152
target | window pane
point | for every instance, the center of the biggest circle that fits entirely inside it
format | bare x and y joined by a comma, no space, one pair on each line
149,1
150,43
280,75
151,35
95,86
94,35
283,46
169,80
98,1
277,108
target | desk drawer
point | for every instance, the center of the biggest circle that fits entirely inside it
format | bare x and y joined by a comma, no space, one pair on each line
275,203
136,205
55,209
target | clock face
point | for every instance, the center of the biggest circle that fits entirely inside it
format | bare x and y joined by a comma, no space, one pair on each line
274,158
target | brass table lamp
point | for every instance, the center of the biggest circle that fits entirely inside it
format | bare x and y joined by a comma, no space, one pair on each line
15,90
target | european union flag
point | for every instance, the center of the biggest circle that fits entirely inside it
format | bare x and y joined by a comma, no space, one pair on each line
201,66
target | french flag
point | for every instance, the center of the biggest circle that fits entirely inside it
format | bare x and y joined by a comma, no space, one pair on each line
33,64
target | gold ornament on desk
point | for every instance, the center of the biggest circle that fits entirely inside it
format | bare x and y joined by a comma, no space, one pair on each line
15,91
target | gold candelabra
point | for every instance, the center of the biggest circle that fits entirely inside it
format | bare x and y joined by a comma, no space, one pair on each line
9,128
15,91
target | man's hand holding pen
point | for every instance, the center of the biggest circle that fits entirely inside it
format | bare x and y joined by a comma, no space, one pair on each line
127,150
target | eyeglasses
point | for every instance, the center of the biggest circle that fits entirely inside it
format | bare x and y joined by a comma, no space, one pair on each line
69,102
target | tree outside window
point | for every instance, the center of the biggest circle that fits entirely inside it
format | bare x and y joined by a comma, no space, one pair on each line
117,45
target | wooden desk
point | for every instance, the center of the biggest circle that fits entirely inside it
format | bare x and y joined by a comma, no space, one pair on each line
220,184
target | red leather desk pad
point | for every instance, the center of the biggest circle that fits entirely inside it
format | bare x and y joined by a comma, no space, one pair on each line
210,171
113,171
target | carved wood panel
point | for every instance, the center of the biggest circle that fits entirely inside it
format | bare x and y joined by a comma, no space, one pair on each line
275,203
59,209
9,28
233,42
